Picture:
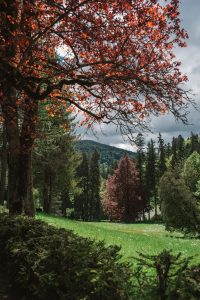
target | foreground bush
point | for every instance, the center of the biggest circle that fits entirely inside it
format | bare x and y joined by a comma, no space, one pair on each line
166,277
43,262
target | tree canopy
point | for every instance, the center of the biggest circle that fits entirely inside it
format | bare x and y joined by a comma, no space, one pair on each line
113,61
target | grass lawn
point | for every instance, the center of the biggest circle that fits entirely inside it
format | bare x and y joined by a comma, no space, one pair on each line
146,238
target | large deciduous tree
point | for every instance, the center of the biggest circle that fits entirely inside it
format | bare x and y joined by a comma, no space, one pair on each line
116,64
123,200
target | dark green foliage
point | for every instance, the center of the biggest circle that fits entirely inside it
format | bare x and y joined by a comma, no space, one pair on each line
195,143
140,156
191,171
95,204
81,201
178,206
43,262
166,277
161,156
150,176
55,160
108,154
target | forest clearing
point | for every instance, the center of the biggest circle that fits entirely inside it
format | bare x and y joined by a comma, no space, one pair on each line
133,238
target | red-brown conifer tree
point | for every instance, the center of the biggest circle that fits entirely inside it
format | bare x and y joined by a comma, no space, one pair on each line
123,200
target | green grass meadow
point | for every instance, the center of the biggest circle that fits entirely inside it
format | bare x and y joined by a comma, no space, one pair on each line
133,238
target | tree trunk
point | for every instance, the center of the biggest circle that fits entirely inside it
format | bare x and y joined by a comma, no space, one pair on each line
27,137
25,194
10,113
3,166
46,193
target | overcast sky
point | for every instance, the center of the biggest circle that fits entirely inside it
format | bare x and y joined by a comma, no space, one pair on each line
190,58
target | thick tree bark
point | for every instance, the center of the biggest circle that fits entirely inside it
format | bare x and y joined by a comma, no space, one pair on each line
27,137
3,166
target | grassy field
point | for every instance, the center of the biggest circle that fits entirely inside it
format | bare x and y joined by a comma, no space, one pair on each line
133,238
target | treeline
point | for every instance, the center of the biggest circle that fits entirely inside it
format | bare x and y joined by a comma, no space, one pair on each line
78,186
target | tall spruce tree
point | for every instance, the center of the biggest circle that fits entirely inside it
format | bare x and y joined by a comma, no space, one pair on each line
140,160
140,155
180,148
174,152
161,156
54,159
195,143
81,201
150,177
94,203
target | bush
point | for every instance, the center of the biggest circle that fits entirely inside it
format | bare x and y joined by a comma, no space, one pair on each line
43,262
166,277
178,205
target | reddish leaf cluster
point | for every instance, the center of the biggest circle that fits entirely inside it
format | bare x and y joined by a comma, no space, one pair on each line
117,56
123,201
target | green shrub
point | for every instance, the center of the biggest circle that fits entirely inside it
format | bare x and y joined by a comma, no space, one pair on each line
166,277
43,262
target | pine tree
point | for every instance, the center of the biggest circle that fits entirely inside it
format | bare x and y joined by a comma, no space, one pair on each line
168,150
174,152
123,201
81,201
195,144
94,205
180,148
140,159
54,159
161,156
140,155
150,177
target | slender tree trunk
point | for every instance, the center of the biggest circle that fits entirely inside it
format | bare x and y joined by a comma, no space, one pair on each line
25,194
3,165
10,113
47,190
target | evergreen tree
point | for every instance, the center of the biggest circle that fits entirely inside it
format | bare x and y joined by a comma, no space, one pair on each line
174,152
168,150
180,148
123,200
140,160
161,156
191,171
150,176
178,206
195,144
54,160
94,204
140,155
81,202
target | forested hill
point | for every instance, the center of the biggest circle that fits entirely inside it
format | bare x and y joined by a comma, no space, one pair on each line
108,154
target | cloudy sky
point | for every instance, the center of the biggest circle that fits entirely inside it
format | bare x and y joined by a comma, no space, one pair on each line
190,58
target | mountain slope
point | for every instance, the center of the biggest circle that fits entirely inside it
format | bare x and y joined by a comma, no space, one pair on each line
108,154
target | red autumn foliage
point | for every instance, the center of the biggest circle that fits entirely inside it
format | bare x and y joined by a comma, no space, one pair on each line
117,65
123,200
117,56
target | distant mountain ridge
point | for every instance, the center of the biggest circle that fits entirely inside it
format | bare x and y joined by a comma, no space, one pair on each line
108,154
